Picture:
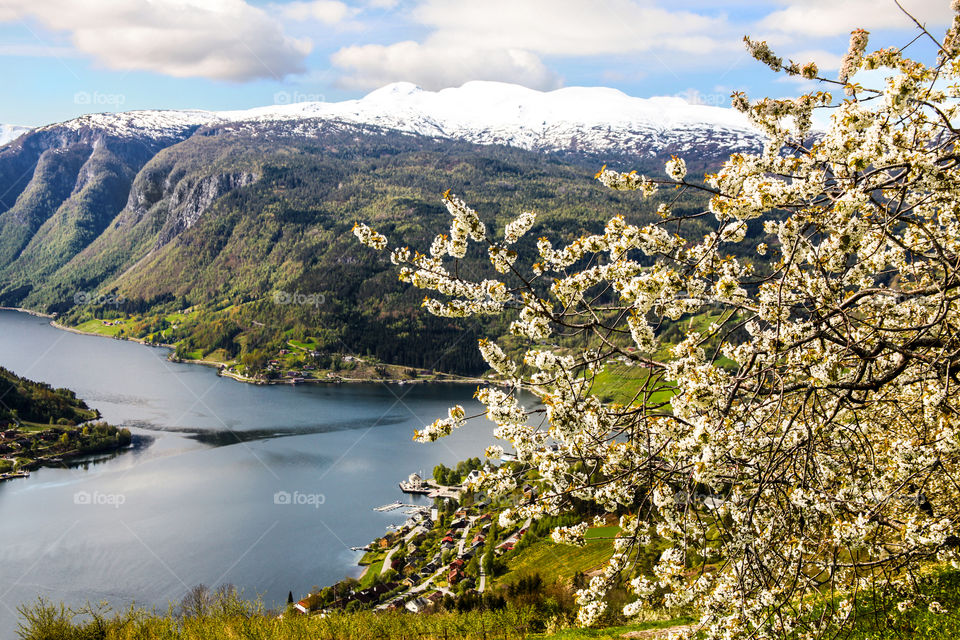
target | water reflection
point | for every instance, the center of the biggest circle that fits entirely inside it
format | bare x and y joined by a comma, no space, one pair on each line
193,502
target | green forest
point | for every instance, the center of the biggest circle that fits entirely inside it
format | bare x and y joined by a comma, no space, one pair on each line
226,288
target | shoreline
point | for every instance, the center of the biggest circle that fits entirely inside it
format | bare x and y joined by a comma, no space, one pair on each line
28,311
63,327
454,379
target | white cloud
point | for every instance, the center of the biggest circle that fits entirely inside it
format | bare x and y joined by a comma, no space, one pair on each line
506,40
433,67
219,39
36,51
326,11
826,60
822,18
571,27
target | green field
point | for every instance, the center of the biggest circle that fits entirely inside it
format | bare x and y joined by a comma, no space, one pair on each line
620,383
560,561
371,574
97,327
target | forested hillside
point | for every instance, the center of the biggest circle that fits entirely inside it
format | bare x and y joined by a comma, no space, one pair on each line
22,399
246,229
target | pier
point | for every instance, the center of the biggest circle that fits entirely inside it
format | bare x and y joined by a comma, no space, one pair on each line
395,505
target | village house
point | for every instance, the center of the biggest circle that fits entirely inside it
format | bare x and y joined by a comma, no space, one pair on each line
417,605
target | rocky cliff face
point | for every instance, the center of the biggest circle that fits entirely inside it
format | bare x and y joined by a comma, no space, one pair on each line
192,197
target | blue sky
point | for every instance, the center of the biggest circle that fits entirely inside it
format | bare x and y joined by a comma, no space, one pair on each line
63,58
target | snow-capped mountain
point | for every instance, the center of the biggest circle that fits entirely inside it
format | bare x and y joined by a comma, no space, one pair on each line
202,206
10,132
579,119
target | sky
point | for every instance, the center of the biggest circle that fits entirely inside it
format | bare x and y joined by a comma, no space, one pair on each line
63,58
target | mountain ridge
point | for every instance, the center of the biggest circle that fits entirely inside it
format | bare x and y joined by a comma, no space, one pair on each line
145,214
584,119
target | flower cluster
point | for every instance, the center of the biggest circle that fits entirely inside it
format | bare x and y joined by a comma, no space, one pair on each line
795,423
851,61
369,237
676,169
443,426
519,227
466,223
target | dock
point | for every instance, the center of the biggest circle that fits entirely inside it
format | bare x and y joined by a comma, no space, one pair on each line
394,505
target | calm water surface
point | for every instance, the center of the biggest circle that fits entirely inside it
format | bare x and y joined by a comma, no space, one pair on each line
194,502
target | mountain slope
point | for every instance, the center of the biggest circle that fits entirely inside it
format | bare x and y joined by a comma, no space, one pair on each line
219,211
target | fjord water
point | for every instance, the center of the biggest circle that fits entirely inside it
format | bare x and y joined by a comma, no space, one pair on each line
194,501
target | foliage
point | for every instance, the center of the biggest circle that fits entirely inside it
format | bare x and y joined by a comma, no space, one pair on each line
226,615
804,443
279,232
22,399
449,477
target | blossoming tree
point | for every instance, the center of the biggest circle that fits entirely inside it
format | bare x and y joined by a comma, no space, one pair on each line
804,446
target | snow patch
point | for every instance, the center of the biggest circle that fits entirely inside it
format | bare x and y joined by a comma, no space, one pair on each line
586,119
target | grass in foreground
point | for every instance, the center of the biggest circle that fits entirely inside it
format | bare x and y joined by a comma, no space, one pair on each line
237,619
228,616
617,633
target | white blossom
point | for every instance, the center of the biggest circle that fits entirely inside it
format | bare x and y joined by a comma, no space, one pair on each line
794,429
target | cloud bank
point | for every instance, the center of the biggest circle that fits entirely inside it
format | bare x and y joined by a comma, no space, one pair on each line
217,39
